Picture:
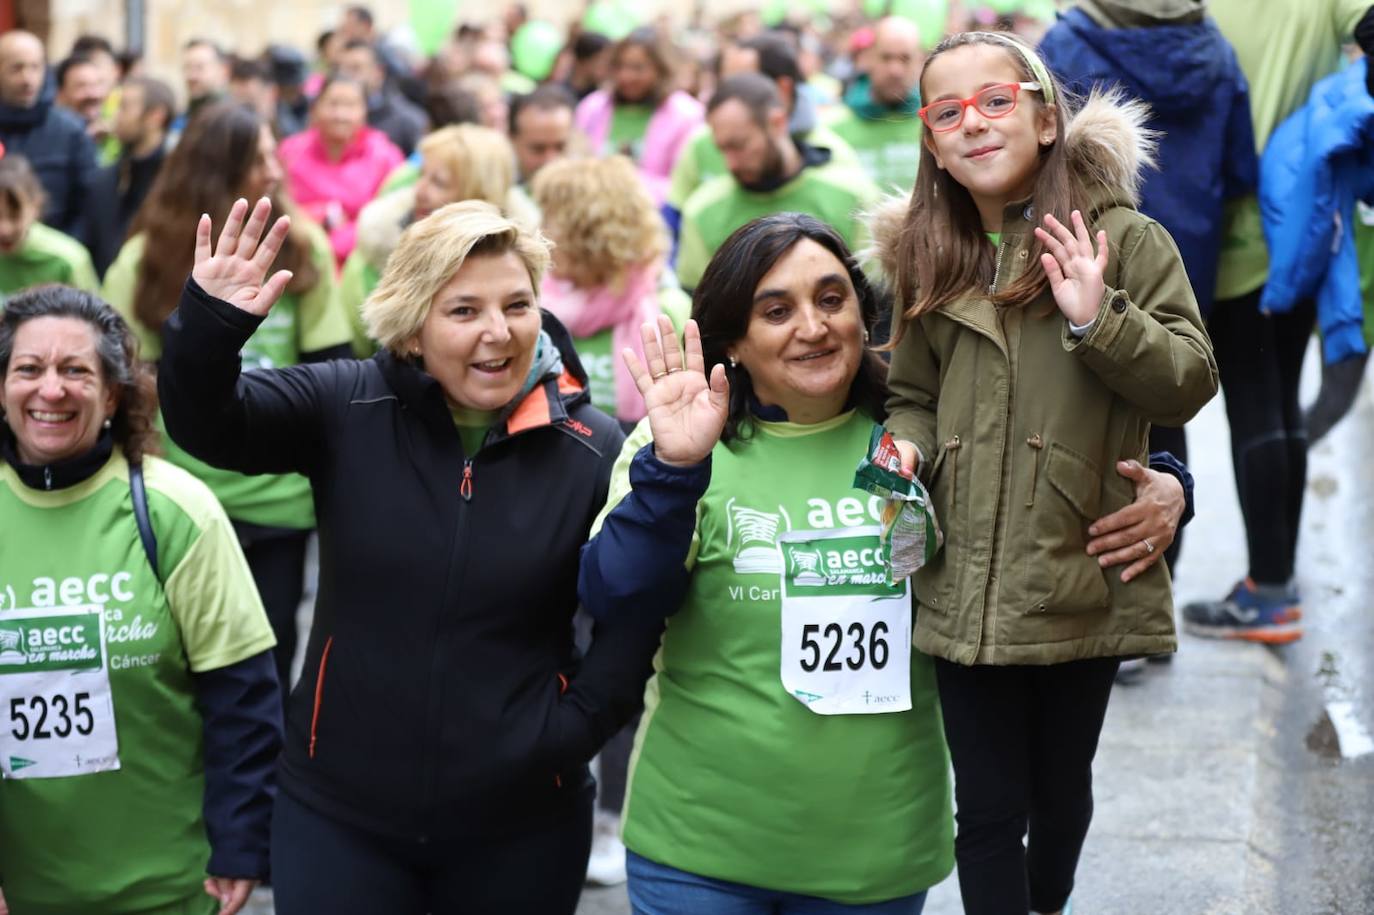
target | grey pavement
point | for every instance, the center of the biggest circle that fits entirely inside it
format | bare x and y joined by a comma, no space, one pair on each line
1215,791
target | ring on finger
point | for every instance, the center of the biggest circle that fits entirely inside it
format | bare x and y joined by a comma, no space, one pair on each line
658,375
676,368
1149,547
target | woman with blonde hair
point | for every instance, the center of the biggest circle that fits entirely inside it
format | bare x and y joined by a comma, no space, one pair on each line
609,271
459,162
437,745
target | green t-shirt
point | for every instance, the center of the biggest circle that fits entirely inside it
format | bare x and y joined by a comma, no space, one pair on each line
599,359
889,149
1284,47
732,777
629,124
701,160
47,256
130,839
296,324
832,193
473,426
403,175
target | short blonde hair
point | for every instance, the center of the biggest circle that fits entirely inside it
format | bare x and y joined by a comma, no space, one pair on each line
605,217
430,252
480,161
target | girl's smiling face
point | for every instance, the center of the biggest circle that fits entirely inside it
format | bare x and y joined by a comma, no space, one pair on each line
995,159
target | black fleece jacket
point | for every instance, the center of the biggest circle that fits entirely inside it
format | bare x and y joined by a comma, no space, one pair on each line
442,694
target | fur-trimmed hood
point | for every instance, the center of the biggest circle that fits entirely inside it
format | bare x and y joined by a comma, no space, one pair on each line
1108,147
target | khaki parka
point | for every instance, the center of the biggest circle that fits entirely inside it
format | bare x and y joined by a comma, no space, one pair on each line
1020,425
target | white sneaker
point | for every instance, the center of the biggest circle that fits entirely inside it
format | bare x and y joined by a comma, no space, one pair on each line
606,866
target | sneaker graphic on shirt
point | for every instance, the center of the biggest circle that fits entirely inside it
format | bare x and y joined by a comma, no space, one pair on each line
754,534
807,564
1251,612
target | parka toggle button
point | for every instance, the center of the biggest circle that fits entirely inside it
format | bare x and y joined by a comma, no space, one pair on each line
1037,444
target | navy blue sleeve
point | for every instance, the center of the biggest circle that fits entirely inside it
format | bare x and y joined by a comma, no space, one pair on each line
634,566
241,707
1164,462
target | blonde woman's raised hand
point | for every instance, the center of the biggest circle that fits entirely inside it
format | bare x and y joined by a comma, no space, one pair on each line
686,410
236,271
1074,268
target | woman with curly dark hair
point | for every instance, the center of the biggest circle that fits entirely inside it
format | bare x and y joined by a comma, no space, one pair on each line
135,656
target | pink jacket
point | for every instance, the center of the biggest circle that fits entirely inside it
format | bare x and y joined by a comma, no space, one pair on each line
320,185
670,127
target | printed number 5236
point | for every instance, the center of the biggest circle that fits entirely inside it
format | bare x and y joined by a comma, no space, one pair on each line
853,646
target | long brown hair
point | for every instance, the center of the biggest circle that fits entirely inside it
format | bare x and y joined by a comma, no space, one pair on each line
942,250
205,173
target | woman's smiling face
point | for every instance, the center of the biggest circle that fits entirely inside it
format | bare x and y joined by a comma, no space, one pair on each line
56,398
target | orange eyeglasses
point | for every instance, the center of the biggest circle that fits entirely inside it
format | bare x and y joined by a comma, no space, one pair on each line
993,102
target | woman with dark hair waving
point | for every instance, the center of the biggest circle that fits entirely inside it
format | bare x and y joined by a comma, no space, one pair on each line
437,744
142,709
226,152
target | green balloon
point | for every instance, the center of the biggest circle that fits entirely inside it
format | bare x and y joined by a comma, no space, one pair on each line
432,21
930,17
535,47
612,18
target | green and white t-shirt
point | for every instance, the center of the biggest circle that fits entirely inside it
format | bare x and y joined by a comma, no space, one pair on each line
833,193
733,776
701,160
296,324
1284,47
889,149
131,838
47,256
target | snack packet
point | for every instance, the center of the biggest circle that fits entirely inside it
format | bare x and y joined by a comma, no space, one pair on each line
911,534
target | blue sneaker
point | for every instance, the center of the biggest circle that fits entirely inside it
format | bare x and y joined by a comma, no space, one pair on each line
1251,612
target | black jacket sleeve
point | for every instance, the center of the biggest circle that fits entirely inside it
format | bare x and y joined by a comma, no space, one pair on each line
241,708
1164,462
634,566
264,421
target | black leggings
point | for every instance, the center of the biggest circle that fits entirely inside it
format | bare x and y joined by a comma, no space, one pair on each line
1260,360
321,865
276,557
1022,741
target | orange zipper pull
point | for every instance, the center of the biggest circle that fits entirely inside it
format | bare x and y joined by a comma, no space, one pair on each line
465,487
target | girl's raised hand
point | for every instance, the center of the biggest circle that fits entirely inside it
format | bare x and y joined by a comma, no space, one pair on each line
237,270
1074,269
686,412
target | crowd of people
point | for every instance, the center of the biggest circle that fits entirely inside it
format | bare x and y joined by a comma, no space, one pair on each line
563,346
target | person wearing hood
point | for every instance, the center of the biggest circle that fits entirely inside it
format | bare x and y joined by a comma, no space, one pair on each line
387,110
1169,55
1284,50
879,117
52,139
771,55
769,172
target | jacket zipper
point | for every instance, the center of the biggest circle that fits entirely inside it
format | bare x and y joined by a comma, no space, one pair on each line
319,693
1038,444
47,478
997,270
465,487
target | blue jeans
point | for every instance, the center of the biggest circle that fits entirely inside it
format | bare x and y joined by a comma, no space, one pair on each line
657,889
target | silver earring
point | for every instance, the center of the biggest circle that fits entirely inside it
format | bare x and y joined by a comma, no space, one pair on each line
108,423
865,335
734,363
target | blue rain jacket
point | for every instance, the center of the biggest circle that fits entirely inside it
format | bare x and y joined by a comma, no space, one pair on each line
1316,165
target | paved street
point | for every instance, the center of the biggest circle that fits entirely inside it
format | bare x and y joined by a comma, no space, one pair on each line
1223,784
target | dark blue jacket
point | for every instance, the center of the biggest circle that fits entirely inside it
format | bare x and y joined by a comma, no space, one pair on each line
1189,76
55,143
1316,164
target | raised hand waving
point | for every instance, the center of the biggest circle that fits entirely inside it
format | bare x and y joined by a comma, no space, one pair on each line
237,270
1074,269
686,411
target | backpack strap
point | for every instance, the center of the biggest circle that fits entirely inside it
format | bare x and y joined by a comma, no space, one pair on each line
139,494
